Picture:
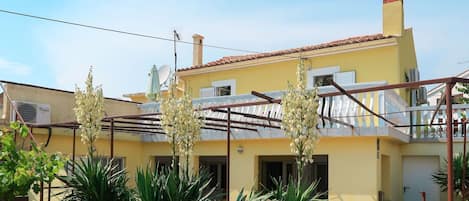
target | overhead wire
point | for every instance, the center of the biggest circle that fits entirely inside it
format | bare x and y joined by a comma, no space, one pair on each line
128,32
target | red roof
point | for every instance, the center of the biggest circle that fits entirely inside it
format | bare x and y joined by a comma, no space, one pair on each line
240,58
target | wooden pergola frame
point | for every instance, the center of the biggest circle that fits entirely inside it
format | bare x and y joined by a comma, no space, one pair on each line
134,124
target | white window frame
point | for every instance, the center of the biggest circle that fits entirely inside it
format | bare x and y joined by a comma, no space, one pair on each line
224,83
337,76
310,74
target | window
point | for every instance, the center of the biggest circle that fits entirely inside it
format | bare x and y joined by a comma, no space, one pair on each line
119,161
219,88
324,77
163,162
323,80
223,91
284,167
216,166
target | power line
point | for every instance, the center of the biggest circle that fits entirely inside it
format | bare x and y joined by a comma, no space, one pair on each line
123,32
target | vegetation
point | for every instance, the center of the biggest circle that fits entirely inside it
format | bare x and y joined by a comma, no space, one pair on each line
181,124
300,118
94,180
253,196
440,177
22,170
168,185
464,88
293,192
89,111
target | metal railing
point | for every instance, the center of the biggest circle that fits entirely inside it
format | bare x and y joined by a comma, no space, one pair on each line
425,129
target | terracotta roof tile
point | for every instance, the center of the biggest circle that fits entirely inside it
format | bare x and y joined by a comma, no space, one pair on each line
240,58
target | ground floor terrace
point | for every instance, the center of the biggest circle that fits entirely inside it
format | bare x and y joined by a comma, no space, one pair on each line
349,168
371,146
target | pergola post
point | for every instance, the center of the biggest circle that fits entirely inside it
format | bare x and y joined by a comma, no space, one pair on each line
74,148
112,137
228,139
449,141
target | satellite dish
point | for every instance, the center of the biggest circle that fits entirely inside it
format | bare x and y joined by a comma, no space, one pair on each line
163,73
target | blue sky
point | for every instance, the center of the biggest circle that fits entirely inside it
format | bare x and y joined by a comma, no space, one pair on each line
58,56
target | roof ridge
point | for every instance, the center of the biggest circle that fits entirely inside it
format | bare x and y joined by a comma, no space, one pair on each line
246,57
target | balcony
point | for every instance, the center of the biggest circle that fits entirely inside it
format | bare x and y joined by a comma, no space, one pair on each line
423,115
340,116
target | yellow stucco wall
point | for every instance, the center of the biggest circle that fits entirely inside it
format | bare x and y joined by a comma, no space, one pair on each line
375,64
352,163
62,103
437,149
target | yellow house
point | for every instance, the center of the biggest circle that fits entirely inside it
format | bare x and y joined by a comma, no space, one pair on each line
363,158
348,163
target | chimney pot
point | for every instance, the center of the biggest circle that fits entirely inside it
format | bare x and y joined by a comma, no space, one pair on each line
393,17
197,54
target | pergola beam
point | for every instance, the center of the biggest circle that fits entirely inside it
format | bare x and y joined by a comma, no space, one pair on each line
263,96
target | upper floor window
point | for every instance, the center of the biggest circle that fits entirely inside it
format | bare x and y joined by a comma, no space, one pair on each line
324,76
323,80
219,88
223,91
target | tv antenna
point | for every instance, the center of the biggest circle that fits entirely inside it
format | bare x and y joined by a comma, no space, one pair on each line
176,37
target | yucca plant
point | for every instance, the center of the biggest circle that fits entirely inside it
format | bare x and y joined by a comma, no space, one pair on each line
94,180
253,196
150,184
293,192
169,185
190,188
440,177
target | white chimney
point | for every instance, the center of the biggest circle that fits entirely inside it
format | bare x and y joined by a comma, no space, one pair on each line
197,53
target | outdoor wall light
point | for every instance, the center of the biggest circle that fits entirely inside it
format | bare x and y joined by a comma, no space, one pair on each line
240,149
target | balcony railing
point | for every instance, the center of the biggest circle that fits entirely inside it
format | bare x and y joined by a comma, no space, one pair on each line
386,103
422,116
341,108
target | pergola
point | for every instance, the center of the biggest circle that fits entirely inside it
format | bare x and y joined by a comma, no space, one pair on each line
148,124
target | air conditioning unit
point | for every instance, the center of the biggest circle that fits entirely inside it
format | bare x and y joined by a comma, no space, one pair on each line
34,113
422,96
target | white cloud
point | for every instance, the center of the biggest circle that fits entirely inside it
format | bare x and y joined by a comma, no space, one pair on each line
14,68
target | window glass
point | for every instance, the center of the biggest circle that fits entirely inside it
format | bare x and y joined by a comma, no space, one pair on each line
284,167
223,91
163,162
216,166
323,80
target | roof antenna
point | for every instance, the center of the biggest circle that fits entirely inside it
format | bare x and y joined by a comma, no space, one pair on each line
175,37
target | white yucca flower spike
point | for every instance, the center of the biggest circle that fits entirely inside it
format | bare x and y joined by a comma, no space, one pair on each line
300,117
181,123
89,111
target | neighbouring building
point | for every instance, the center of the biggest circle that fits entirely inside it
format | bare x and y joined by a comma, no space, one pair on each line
434,95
